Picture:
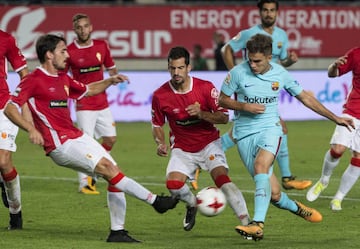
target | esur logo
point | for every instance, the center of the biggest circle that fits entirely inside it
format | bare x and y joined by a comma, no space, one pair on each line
25,32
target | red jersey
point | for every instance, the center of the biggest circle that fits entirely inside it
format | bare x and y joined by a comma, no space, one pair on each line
87,65
8,52
352,104
47,96
186,132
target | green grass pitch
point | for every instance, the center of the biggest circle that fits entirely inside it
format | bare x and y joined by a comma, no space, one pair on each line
56,216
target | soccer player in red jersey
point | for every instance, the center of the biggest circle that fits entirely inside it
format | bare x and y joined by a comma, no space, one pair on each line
10,184
88,59
46,91
190,105
343,139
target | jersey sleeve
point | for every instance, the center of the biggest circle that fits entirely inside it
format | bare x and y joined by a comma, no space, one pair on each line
213,95
14,55
77,90
348,66
22,93
285,46
108,60
291,85
229,84
238,42
157,116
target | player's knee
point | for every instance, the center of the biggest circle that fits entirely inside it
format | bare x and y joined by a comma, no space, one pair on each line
174,184
107,168
337,151
108,142
5,161
221,180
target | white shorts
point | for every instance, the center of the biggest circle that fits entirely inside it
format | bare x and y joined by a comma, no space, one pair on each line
96,123
350,139
81,154
210,157
8,133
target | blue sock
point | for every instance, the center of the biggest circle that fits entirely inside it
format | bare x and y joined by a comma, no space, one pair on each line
283,158
286,203
226,142
262,196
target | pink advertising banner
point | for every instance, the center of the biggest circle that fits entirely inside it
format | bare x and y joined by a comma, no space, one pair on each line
132,102
150,31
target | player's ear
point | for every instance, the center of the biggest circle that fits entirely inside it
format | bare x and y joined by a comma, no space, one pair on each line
189,67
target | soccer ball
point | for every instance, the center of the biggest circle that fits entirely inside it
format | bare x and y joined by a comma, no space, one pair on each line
211,201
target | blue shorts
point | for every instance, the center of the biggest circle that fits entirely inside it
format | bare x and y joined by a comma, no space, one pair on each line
249,146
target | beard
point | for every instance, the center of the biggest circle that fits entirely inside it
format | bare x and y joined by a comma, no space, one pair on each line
83,39
268,22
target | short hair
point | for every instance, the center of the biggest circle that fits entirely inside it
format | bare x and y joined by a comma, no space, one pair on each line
179,52
47,43
79,16
261,3
259,43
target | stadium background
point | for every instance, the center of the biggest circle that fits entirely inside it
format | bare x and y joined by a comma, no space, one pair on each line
140,32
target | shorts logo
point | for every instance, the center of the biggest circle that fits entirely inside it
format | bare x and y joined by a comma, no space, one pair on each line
4,135
211,157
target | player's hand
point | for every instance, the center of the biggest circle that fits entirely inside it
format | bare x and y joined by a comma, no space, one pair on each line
162,150
293,57
119,78
254,108
347,122
35,137
194,109
340,61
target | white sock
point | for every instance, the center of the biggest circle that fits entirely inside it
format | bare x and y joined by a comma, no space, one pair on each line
185,195
13,193
117,207
131,187
82,180
348,179
329,165
236,201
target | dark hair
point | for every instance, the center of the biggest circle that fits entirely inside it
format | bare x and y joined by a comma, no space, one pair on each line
259,43
47,43
261,3
179,52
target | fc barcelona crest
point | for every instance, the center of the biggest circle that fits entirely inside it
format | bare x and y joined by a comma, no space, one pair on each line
275,86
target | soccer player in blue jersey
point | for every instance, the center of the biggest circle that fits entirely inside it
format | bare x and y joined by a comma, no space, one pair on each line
257,131
268,10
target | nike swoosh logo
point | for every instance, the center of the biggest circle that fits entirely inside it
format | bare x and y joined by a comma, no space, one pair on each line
249,85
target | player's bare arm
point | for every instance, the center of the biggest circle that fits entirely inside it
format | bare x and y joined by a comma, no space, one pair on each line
100,86
312,103
217,117
159,138
229,103
291,59
227,54
12,112
333,68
